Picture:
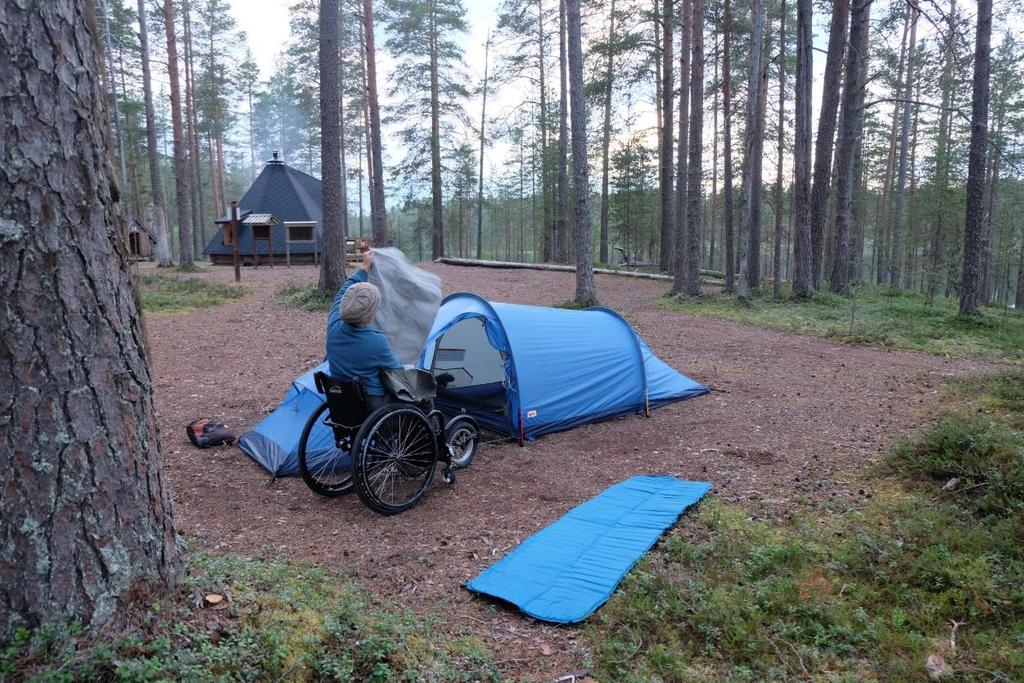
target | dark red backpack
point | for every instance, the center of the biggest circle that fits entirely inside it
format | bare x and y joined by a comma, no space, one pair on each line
205,433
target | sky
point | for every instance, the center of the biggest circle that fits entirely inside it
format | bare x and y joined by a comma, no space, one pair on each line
266,24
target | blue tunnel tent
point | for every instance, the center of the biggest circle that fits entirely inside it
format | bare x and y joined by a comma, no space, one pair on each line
274,442
528,370
523,371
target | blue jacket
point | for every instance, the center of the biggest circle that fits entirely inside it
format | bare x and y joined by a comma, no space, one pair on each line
357,352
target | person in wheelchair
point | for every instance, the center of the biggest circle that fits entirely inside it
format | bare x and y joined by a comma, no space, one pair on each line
356,349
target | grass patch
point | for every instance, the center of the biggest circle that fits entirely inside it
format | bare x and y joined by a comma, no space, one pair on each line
306,298
921,569
282,622
877,316
163,293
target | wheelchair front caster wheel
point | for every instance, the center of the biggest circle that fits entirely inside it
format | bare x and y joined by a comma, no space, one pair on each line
460,436
448,476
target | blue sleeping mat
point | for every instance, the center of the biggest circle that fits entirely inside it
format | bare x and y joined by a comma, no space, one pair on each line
570,568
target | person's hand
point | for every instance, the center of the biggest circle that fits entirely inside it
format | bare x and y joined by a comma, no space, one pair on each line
367,259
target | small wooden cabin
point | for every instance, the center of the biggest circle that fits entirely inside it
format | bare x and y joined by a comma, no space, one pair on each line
139,241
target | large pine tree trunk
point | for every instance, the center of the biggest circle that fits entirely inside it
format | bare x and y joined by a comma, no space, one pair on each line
158,205
727,198
803,282
665,259
378,217
586,292
856,61
332,268
971,285
606,138
749,238
181,180
561,206
826,133
695,176
678,234
84,515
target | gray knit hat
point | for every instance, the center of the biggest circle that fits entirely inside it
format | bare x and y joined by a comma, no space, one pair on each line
360,303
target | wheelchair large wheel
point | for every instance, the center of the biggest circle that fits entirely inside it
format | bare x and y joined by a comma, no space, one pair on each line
394,459
326,469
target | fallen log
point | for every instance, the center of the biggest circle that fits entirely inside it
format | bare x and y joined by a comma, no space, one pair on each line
452,261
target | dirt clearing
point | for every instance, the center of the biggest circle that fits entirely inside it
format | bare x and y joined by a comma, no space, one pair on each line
787,416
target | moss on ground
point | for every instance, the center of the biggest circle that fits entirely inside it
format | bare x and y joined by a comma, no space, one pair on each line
306,298
931,565
165,294
876,316
282,621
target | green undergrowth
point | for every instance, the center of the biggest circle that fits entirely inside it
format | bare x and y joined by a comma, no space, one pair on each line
163,293
281,622
306,298
931,565
877,316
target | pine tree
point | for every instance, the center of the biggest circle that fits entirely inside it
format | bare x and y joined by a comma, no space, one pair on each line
803,282
971,284
158,208
856,61
181,176
827,120
586,292
90,520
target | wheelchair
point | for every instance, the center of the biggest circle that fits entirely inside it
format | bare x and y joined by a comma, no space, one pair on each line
388,455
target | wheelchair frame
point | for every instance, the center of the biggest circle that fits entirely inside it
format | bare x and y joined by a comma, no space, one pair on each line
393,450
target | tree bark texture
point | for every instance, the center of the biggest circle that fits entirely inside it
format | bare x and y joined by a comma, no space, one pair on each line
378,217
332,267
158,204
562,202
606,139
586,292
547,245
181,179
856,60
1019,300
483,139
899,224
84,515
803,282
777,231
192,140
665,168
678,234
695,170
752,162
727,198
942,160
436,196
826,133
971,284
